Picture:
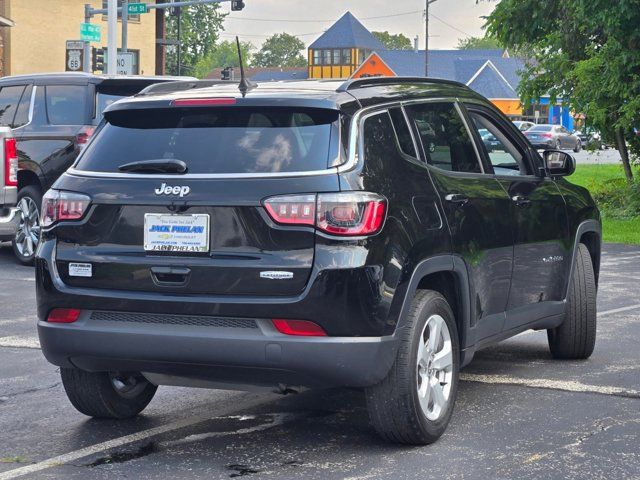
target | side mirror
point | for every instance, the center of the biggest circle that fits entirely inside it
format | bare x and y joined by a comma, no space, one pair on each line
559,163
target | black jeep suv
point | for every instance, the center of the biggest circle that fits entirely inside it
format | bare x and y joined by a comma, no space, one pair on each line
310,234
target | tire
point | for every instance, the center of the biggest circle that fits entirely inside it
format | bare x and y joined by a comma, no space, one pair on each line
557,145
575,339
96,395
27,237
578,148
394,404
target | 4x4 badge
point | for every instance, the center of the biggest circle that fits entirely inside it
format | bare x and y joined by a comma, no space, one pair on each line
169,190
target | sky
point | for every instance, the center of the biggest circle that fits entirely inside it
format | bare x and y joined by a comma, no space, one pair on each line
307,19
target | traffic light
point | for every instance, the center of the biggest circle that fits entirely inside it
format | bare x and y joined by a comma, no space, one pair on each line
97,59
237,5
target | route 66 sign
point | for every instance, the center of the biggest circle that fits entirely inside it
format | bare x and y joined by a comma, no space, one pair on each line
75,56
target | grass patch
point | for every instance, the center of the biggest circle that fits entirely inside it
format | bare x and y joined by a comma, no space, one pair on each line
619,202
17,459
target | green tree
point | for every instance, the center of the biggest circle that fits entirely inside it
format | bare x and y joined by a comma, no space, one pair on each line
478,43
586,52
224,54
280,50
200,29
394,41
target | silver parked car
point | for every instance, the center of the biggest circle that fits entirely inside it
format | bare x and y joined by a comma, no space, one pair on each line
554,137
8,184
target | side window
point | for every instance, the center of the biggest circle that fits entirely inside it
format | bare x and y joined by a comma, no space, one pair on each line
378,140
22,113
445,138
9,99
402,132
66,104
504,156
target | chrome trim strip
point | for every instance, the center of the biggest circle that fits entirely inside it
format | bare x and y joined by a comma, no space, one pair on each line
191,176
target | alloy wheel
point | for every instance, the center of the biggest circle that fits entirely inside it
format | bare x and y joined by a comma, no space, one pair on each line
434,368
28,234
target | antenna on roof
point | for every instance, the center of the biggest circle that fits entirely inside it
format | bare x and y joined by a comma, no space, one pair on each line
245,85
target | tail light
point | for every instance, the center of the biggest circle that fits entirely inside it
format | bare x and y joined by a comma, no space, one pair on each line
340,214
10,162
63,315
60,206
84,135
547,135
300,328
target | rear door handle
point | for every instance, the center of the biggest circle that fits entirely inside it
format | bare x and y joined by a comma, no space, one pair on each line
521,201
457,199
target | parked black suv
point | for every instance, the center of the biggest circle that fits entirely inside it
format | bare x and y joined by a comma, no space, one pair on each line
309,234
53,115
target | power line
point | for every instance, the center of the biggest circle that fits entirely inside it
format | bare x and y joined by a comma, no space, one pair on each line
265,36
290,20
449,25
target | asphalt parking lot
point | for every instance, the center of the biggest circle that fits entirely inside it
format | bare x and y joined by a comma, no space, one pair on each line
519,414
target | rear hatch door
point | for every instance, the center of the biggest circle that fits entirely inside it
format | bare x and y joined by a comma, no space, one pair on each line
203,231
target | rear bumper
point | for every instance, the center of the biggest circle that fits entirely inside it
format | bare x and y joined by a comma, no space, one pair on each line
227,355
9,220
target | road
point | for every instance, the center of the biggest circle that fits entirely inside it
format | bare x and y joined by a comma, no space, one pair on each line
586,157
519,414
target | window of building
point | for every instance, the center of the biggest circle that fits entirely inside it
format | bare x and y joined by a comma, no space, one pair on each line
131,18
336,57
362,56
346,56
316,57
326,57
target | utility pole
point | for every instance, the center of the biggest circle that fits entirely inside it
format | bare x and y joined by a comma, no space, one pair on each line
112,33
125,24
87,46
426,37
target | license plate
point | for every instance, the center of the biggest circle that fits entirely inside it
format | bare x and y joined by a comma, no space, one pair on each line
176,233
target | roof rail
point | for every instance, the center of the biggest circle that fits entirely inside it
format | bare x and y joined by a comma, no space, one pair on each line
375,81
182,85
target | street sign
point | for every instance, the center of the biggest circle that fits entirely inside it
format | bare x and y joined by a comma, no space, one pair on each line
90,32
125,63
137,8
75,56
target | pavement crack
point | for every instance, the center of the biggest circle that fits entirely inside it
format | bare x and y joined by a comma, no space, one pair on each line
6,397
241,470
126,456
599,427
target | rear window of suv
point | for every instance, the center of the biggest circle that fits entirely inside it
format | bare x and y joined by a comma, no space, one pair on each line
215,140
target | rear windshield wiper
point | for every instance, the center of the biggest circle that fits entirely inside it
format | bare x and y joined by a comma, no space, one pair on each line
169,165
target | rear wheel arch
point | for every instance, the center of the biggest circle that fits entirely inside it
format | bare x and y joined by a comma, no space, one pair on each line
593,242
589,233
447,275
27,178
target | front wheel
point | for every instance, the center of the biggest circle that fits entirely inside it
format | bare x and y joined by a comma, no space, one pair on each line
414,403
27,236
576,337
107,394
